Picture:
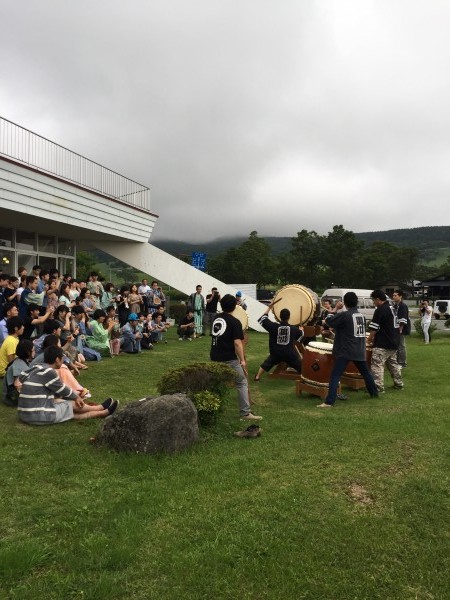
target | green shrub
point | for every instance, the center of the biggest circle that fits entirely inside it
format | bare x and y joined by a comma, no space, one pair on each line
207,405
418,327
177,311
206,401
207,384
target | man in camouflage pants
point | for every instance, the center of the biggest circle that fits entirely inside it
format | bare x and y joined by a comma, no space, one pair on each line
385,338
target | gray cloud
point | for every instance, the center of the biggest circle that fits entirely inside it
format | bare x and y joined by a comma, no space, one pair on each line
244,115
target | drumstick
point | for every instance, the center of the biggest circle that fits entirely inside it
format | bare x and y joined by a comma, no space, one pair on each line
250,401
275,301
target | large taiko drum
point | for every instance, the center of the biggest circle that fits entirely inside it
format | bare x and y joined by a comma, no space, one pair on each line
240,314
317,363
303,304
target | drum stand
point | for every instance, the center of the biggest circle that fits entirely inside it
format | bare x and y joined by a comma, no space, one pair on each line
314,389
282,371
355,383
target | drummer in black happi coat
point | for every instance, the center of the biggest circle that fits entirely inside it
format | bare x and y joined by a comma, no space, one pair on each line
349,345
282,338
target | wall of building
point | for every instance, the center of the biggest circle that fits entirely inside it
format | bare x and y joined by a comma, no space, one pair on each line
28,199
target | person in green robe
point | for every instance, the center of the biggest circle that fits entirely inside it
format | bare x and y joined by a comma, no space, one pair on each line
99,340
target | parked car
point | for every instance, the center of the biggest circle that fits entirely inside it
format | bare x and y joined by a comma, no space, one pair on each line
441,309
365,302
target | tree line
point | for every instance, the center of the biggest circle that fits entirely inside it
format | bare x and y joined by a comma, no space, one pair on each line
337,259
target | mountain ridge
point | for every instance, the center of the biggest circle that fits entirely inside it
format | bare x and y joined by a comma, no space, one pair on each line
428,240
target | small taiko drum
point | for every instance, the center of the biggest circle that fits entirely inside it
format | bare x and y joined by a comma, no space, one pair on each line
240,314
317,363
303,304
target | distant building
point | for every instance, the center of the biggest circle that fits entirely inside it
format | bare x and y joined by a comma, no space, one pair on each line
438,287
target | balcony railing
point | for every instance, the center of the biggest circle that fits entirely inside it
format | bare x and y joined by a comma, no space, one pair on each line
28,148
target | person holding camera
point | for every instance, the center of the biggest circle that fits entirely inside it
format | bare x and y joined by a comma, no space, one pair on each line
212,301
427,312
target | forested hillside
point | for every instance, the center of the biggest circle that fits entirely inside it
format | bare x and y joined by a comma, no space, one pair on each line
432,243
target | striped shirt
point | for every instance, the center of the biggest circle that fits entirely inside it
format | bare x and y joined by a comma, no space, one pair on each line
41,385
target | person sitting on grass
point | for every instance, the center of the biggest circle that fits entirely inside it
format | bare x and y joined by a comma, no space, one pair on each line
159,328
131,338
11,383
186,328
14,327
34,320
64,372
99,340
9,310
45,400
111,324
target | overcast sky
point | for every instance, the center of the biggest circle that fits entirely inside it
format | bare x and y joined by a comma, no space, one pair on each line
244,115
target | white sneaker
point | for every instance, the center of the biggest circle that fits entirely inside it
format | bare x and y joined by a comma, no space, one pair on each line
251,417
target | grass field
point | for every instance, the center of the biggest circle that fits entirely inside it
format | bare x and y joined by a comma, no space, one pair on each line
345,503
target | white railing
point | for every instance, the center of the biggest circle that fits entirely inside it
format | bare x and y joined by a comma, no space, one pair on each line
33,150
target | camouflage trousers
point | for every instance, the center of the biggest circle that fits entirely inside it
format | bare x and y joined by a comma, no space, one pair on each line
381,357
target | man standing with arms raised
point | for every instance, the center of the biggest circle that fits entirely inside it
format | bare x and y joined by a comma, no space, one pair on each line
212,301
349,345
227,347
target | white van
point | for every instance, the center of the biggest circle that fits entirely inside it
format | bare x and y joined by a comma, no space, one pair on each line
365,302
441,309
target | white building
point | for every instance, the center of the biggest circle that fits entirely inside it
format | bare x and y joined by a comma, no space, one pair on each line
54,202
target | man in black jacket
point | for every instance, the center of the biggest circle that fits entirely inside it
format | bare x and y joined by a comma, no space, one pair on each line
404,325
349,345
385,337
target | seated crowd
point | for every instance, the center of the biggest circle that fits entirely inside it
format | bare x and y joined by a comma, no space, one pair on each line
51,325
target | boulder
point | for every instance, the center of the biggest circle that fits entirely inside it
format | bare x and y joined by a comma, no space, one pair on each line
164,424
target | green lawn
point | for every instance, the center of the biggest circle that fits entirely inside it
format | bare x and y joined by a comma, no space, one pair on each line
345,503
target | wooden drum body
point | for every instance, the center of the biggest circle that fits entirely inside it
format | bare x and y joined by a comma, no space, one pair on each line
317,363
302,303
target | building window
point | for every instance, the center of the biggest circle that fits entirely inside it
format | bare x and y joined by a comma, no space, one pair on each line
66,247
47,262
5,237
47,243
25,241
66,265
27,261
7,261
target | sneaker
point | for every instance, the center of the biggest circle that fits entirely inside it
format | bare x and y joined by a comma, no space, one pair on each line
189,339
251,432
324,405
107,403
397,387
250,417
113,407
181,339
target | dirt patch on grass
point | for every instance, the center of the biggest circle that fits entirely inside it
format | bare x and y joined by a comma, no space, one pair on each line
359,495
